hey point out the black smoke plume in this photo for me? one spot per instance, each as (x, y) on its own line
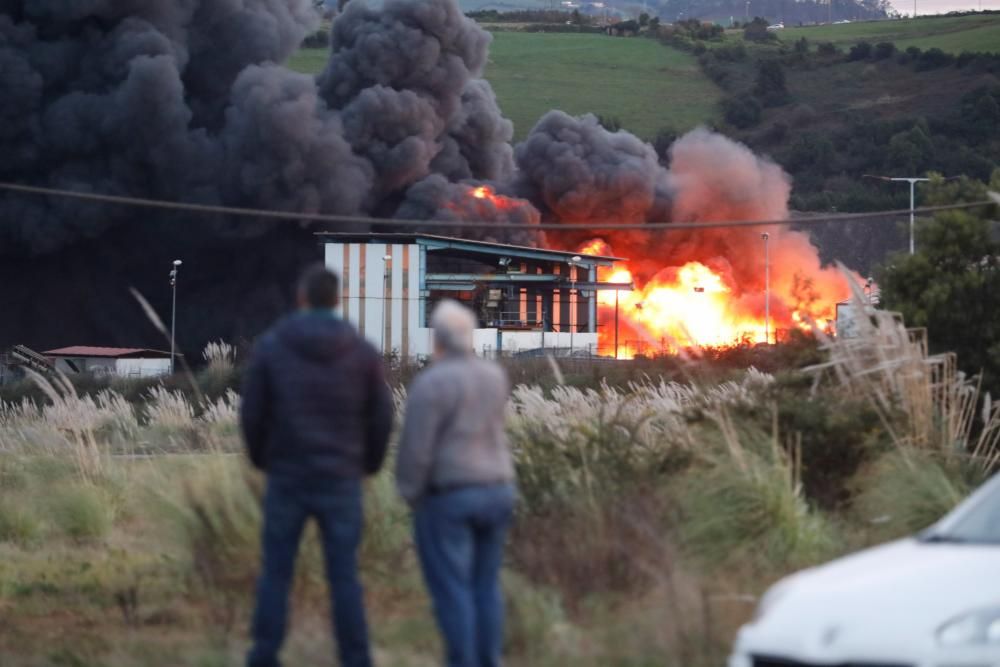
(182, 100)
(187, 100)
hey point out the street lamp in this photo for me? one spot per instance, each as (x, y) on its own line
(767, 289)
(173, 314)
(386, 315)
(912, 180)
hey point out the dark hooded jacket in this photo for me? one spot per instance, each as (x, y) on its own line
(315, 401)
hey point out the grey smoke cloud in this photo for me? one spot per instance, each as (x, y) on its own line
(187, 100)
(578, 171)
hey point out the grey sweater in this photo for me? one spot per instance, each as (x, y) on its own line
(453, 434)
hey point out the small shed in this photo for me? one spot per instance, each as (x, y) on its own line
(118, 361)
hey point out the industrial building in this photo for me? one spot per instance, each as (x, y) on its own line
(113, 361)
(525, 299)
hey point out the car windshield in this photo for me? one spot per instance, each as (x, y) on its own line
(975, 522)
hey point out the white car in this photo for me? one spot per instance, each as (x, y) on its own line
(928, 601)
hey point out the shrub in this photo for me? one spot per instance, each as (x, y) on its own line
(769, 85)
(906, 491)
(81, 511)
(802, 45)
(318, 40)
(827, 49)
(534, 614)
(933, 59)
(18, 522)
(664, 139)
(735, 52)
(755, 515)
(742, 112)
(776, 133)
(610, 123)
(756, 31)
(803, 114)
(884, 50)
(860, 51)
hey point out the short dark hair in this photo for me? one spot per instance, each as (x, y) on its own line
(320, 287)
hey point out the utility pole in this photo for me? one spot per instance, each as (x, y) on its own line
(767, 289)
(173, 315)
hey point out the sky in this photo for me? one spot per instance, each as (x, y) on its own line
(942, 6)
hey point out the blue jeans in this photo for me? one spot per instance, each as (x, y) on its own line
(460, 538)
(336, 506)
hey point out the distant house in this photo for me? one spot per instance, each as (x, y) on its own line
(117, 361)
(623, 29)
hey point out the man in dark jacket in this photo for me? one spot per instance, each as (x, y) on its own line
(316, 415)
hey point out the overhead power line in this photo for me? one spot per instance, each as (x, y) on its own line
(292, 216)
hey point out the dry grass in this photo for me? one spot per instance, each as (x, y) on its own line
(923, 400)
(652, 514)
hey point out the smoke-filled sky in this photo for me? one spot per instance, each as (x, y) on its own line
(182, 100)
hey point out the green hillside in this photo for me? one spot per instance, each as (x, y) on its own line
(949, 33)
(645, 85)
(642, 83)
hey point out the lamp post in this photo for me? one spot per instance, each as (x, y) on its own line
(173, 314)
(767, 289)
(912, 180)
(386, 313)
(572, 300)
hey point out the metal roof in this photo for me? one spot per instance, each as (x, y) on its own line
(484, 247)
(115, 352)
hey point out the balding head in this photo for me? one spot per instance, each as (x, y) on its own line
(453, 325)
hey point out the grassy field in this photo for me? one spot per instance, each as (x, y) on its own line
(643, 84)
(650, 514)
(948, 33)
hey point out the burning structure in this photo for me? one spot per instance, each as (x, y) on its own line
(184, 102)
(524, 298)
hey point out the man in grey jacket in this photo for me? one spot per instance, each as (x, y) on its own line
(456, 472)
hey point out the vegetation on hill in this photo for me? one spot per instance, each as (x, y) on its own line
(638, 82)
(979, 32)
(791, 13)
(830, 116)
(643, 85)
(951, 285)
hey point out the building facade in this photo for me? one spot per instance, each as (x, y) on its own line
(525, 299)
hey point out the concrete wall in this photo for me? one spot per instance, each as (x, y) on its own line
(381, 297)
(112, 366)
(142, 367)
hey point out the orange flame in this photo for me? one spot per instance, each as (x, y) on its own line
(489, 196)
(693, 305)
